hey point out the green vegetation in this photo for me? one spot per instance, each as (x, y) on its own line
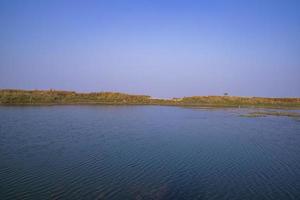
(43, 97)
(68, 97)
(232, 101)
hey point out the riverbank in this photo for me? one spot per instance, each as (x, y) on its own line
(56, 97)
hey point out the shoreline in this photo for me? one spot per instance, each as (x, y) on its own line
(146, 104)
(15, 97)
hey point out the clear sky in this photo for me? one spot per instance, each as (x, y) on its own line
(157, 47)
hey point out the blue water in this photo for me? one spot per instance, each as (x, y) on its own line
(146, 152)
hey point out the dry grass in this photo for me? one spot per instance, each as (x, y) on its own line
(37, 97)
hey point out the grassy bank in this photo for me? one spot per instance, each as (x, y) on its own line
(55, 97)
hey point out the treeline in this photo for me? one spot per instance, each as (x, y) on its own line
(35, 97)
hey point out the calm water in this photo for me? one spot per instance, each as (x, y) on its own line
(146, 152)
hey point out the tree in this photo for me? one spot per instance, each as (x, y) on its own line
(225, 94)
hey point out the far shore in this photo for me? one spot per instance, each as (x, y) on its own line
(12, 97)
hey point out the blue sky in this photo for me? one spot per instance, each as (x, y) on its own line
(155, 47)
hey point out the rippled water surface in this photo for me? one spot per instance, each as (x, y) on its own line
(146, 152)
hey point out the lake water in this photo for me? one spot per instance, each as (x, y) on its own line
(146, 152)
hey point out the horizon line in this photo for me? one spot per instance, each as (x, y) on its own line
(151, 97)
